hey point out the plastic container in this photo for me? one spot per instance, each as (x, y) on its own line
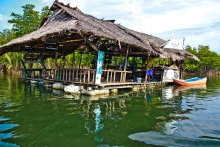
(138, 79)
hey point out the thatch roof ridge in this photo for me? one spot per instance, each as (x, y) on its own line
(107, 29)
(178, 54)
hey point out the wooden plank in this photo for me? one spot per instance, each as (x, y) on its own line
(111, 76)
(63, 74)
(117, 71)
(77, 73)
(84, 79)
(125, 65)
(54, 73)
(93, 77)
(107, 76)
(89, 76)
(70, 74)
(114, 76)
(66, 72)
(91, 44)
(80, 79)
(69, 41)
(121, 77)
(73, 78)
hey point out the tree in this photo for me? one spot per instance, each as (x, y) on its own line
(6, 36)
(208, 59)
(29, 21)
(191, 64)
(22, 24)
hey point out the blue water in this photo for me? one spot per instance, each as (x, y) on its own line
(164, 116)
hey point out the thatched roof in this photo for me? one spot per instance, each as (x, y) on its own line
(73, 30)
(176, 54)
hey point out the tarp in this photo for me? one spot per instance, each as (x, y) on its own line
(174, 43)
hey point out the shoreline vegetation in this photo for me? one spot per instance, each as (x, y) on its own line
(10, 62)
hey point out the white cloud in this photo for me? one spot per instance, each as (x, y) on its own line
(4, 22)
(203, 35)
(152, 16)
(73, 3)
(1, 17)
(175, 19)
(47, 1)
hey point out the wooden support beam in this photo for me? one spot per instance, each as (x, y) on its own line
(126, 60)
(69, 41)
(91, 44)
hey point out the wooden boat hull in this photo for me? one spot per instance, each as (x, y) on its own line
(189, 83)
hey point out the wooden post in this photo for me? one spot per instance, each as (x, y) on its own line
(114, 76)
(107, 76)
(66, 72)
(25, 69)
(44, 67)
(126, 60)
(80, 76)
(89, 76)
(146, 76)
(70, 74)
(73, 78)
(110, 76)
(84, 74)
(63, 73)
(55, 73)
(162, 72)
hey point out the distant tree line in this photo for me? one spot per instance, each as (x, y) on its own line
(209, 60)
(30, 21)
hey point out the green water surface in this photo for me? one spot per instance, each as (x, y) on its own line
(36, 116)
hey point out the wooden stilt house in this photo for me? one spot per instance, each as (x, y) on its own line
(68, 30)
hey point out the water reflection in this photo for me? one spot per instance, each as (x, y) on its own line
(45, 117)
(183, 126)
(178, 88)
(160, 139)
(5, 133)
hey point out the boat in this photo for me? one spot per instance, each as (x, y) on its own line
(191, 81)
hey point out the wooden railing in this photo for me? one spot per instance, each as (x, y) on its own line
(115, 76)
(88, 75)
(75, 75)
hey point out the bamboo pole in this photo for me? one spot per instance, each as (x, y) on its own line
(126, 60)
(114, 76)
(70, 74)
(84, 74)
(111, 76)
(89, 76)
(107, 76)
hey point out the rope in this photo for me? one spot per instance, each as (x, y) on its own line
(45, 132)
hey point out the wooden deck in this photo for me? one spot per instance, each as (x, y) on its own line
(86, 77)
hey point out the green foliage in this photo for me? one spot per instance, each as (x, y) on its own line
(191, 64)
(29, 21)
(117, 60)
(22, 24)
(208, 59)
(6, 36)
(12, 60)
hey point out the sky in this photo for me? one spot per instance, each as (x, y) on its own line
(198, 21)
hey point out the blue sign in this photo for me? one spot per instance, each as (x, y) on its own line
(99, 67)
